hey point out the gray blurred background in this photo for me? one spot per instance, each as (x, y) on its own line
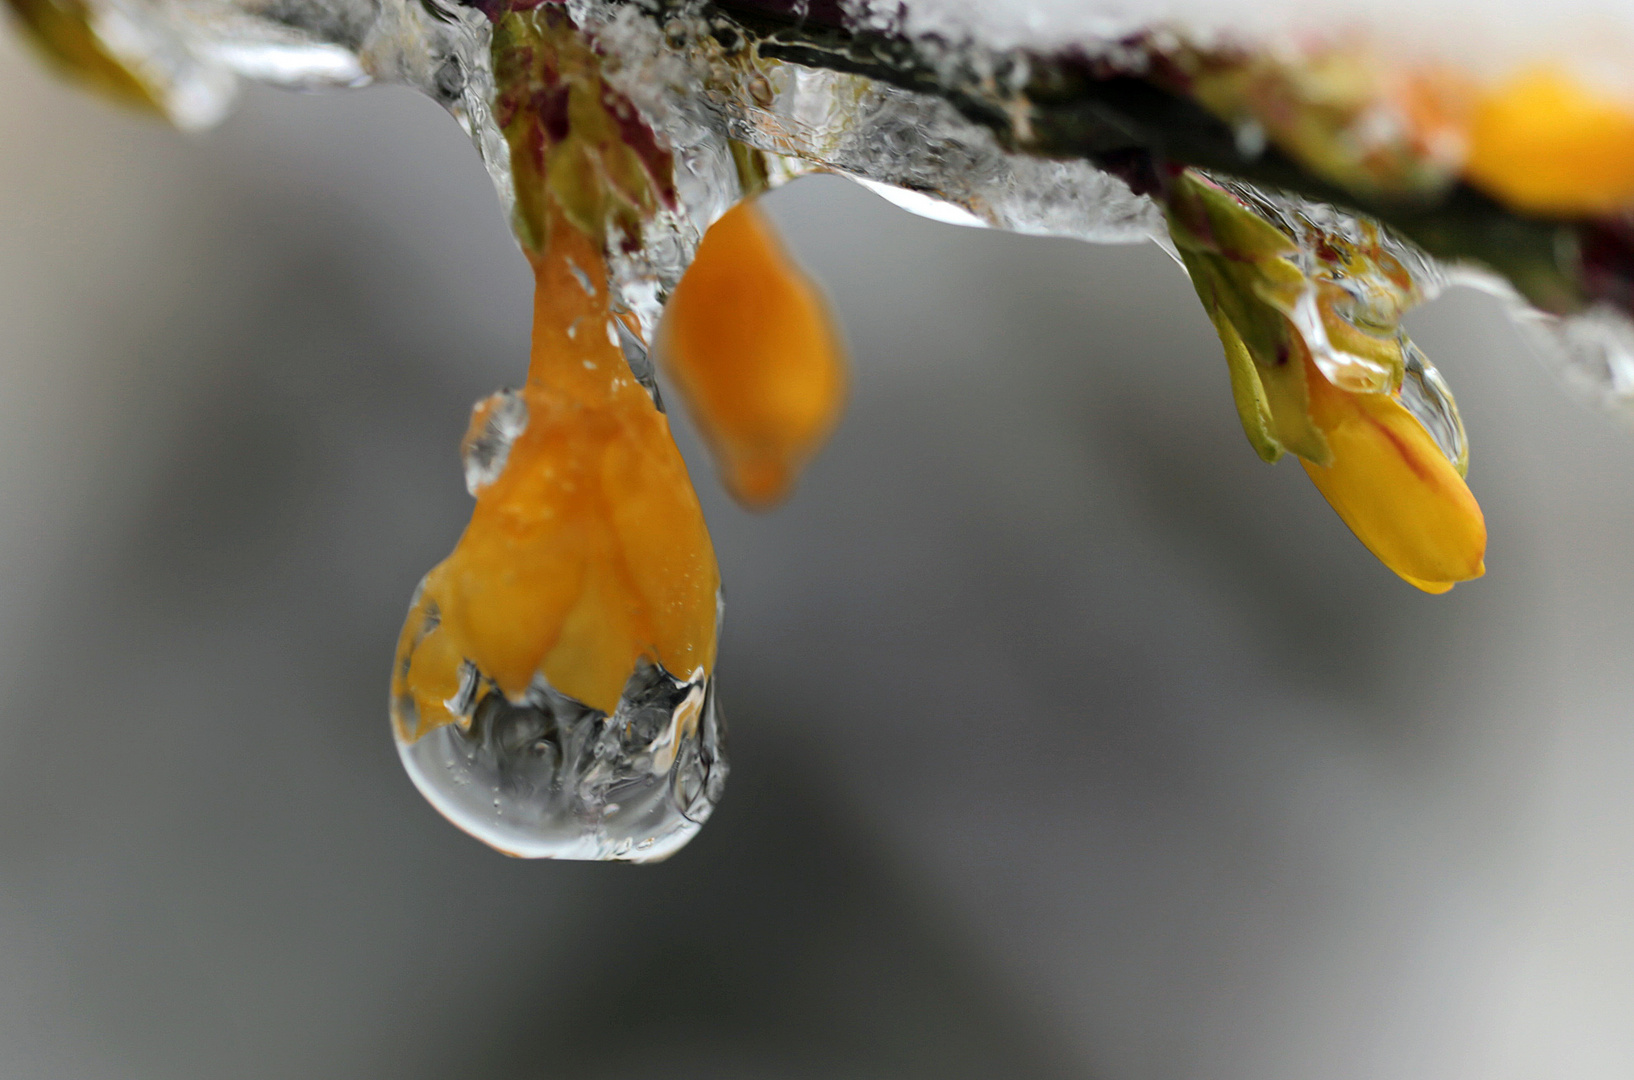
(1068, 739)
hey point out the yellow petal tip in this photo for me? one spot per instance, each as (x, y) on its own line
(1434, 587)
(1439, 587)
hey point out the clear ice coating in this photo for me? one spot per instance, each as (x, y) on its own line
(1591, 351)
(707, 101)
(1356, 273)
(1426, 395)
(1364, 279)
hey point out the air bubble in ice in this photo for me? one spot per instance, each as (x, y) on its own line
(496, 422)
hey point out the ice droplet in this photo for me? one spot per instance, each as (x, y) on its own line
(1425, 394)
(552, 692)
(549, 777)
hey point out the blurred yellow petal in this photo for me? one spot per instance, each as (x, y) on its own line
(1544, 142)
(62, 30)
(748, 340)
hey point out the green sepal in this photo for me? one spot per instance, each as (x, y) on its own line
(1253, 408)
(1239, 266)
(1289, 399)
(1212, 219)
(1268, 386)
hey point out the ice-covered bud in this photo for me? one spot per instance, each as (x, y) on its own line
(1320, 367)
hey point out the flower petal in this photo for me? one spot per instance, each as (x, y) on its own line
(1395, 489)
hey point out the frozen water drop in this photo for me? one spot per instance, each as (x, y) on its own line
(1342, 368)
(1425, 394)
(621, 329)
(496, 422)
(550, 777)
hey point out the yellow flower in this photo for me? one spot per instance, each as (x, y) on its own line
(1392, 484)
(1545, 142)
(748, 339)
(587, 553)
(1383, 472)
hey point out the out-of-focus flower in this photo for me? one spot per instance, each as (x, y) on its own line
(62, 30)
(749, 341)
(1545, 142)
